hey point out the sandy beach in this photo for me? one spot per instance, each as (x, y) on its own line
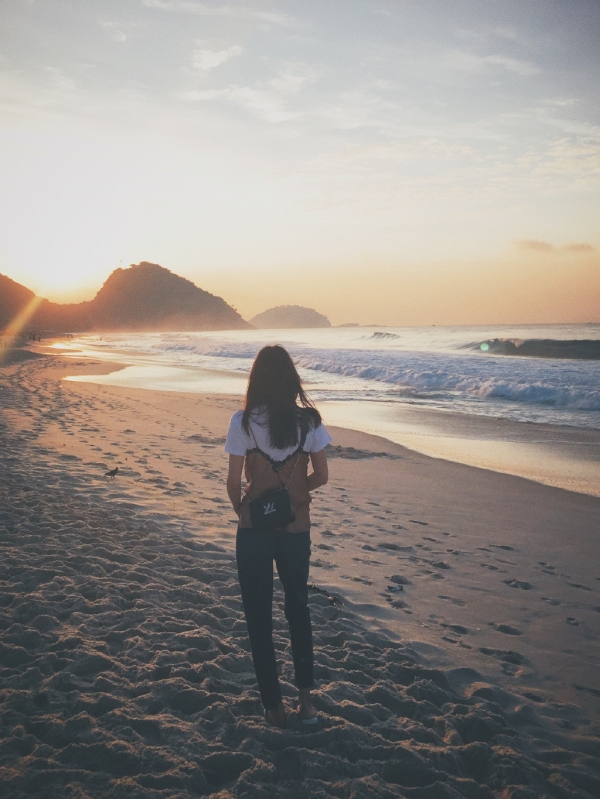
(459, 658)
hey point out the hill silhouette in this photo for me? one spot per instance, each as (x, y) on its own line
(48, 315)
(289, 316)
(143, 297)
(13, 297)
(149, 297)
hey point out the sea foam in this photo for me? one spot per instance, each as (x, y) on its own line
(444, 368)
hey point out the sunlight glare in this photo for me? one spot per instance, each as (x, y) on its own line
(12, 331)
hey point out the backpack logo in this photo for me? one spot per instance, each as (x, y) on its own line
(269, 508)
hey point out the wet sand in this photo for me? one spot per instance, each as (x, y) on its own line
(463, 660)
(557, 455)
(554, 455)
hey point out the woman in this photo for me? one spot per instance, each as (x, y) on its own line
(275, 435)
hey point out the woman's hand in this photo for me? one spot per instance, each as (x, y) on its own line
(320, 473)
(234, 481)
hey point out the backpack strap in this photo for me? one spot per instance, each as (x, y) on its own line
(303, 434)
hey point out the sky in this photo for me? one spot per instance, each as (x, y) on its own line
(387, 161)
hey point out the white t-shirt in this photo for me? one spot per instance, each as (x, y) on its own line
(239, 442)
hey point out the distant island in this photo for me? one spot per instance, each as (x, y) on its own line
(289, 316)
(143, 297)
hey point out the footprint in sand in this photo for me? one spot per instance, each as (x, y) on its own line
(398, 579)
(550, 601)
(505, 628)
(525, 586)
(572, 621)
(323, 564)
(506, 655)
(399, 604)
(460, 602)
(363, 580)
(592, 691)
(459, 629)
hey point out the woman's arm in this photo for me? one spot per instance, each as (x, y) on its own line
(234, 481)
(320, 473)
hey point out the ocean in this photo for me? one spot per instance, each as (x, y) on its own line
(523, 400)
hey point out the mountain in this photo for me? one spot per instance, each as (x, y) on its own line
(289, 316)
(148, 297)
(13, 297)
(143, 297)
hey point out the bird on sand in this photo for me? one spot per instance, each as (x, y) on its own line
(112, 473)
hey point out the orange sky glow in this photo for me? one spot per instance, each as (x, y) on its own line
(396, 163)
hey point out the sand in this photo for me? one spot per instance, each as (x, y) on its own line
(556, 455)
(462, 661)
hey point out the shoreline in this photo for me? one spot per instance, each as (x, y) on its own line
(498, 607)
(553, 455)
(559, 456)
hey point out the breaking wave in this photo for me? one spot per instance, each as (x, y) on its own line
(558, 380)
(586, 349)
(380, 335)
(462, 375)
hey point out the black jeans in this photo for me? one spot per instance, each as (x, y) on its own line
(255, 553)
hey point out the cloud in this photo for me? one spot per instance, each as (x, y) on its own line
(533, 244)
(546, 247)
(582, 248)
(580, 157)
(59, 81)
(506, 33)
(463, 61)
(267, 99)
(262, 102)
(209, 59)
(114, 28)
(384, 13)
(488, 34)
(218, 10)
(513, 64)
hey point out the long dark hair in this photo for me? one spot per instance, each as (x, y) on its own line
(275, 385)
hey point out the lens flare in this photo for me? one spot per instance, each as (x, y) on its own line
(10, 334)
(484, 346)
